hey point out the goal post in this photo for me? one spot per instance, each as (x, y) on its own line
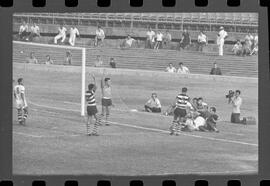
(83, 82)
(22, 51)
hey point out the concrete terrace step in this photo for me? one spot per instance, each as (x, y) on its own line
(147, 59)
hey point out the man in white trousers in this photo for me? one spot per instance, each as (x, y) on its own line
(61, 34)
(222, 35)
(73, 33)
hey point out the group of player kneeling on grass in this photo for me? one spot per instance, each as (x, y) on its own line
(187, 115)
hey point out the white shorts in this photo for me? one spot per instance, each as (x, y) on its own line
(19, 104)
(199, 121)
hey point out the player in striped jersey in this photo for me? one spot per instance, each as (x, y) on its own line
(106, 90)
(181, 105)
(91, 108)
(21, 104)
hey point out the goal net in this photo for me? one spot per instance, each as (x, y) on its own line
(80, 57)
(22, 52)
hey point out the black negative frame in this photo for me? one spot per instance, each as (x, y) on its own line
(123, 6)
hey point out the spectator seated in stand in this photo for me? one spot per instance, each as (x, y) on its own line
(48, 61)
(167, 39)
(170, 68)
(215, 70)
(202, 41)
(246, 48)
(255, 48)
(98, 62)
(185, 40)
(237, 48)
(159, 39)
(100, 36)
(182, 69)
(127, 43)
(35, 32)
(24, 32)
(112, 63)
(153, 104)
(32, 58)
(68, 60)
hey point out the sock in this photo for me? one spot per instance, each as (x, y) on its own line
(20, 117)
(107, 118)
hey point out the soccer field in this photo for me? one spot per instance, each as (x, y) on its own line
(136, 143)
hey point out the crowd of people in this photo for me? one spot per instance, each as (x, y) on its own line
(247, 48)
(189, 114)
(154, 40)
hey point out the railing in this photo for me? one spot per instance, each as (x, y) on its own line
(250, 19)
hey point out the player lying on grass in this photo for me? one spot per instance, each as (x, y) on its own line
(153, 104)
(106, 100)
(91, 108)
(180, 112)
(21, 104)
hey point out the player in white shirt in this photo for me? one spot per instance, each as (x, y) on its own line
(202, 41)
(182, 69)
(159, 37)
(61, 34)
(100, 36)
(20, 100)
(72, 37)
(23, 31)
(150, 38)
(222, 35)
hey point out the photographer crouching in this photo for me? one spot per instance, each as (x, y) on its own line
(236, 101)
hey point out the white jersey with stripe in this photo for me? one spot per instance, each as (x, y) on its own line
(182, 101)
(90, 98)
(19, 93)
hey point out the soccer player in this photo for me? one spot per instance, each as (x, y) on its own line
(61, 34)
(73, 33)
(21, 104)
(106, 101)
(180, 111)
(91, 108)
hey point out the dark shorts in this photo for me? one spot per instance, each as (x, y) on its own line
(178, 112)
(91, 110)
(106, 102)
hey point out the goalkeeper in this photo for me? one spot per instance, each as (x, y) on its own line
(106, 101)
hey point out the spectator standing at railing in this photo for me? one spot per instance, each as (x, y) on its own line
(159, 39)
(185, 40)
(35, 32)
(222, 35)
(74, 32)
(183, 69)
(61, 34)
(215, 70)
(249, 38)
(167, 38)
(150, 38)
(23, 31)
(100, 36)
(202, 41)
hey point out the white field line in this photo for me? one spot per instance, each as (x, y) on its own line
(45, 136)
(28, 135)
(159, 115)
(159, 130)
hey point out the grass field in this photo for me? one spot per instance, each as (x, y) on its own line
(136, 143)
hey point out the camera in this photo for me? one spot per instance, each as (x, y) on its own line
(230, 94)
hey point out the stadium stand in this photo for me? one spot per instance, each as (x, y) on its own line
(146, 59)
